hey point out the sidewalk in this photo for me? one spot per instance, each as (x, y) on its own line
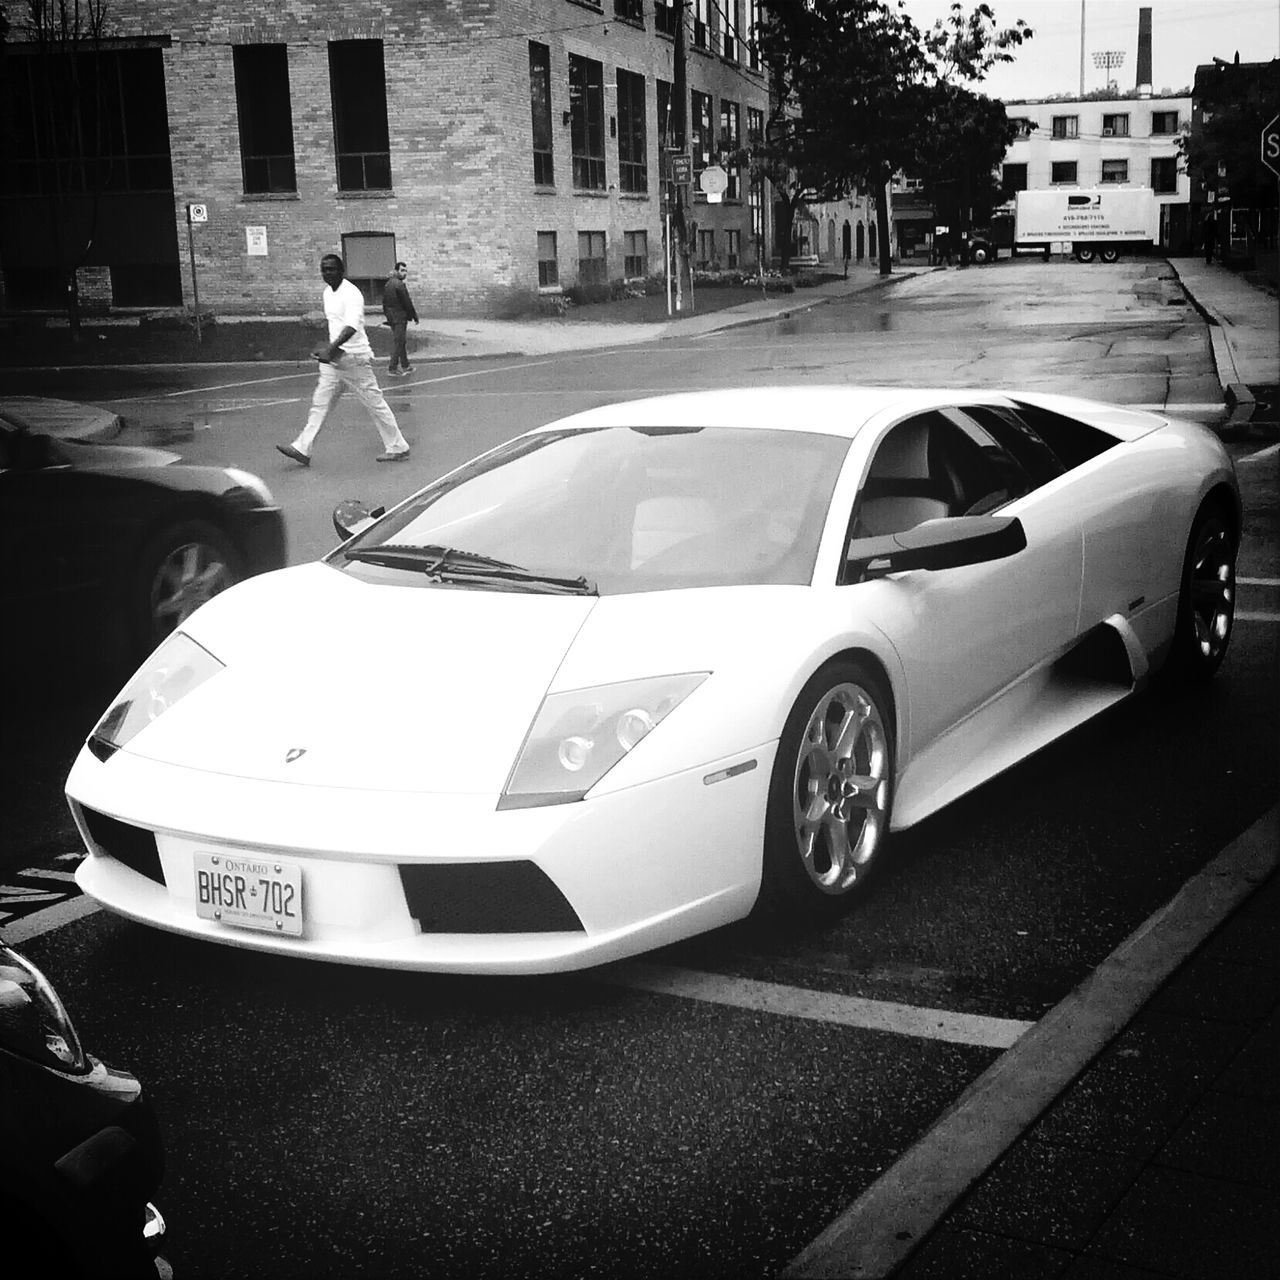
(450, 337)
(1244, 328)
(1158, 1156)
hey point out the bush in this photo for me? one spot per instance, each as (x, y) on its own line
(175, 321)
(582, 295)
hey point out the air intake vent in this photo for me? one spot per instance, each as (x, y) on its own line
(134, 846)
(486, 897)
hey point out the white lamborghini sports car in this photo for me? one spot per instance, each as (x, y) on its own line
(620, 679)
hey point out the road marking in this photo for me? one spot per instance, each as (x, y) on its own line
(1269, 452)
(872, 1237)
(819, 1006)
(1258, 582)
(1255, 615)
(15, 932)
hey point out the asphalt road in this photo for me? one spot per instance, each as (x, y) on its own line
(331, 1121)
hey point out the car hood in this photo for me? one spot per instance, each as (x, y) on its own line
(117, 457)
(331, 681)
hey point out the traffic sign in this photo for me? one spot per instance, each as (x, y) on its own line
(714, 180)
(197, 213)
(682, 168)
(1271, 145)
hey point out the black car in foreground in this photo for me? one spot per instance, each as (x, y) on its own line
(106, 547)
(80, 1148)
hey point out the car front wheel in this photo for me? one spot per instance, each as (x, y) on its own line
(178, 570)
(830, 794)
(1206, 602)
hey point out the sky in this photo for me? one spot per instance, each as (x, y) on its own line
(1184, 34)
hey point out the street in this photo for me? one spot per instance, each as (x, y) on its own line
(323, 1120)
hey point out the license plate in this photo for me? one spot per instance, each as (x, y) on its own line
(249, 892)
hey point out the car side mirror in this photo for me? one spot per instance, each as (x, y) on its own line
(935, 544)
(352, 516)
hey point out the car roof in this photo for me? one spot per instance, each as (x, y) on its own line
(834, 410)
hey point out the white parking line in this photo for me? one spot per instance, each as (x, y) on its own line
(1269, 452)
(1256, 615)
(820, 1006)
(1258, 582)
(873, 1236)
(25, 928)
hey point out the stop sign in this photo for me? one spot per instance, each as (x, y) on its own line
(1271, 145)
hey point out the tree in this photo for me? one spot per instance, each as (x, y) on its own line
(57, 132)
(1236, 101)
(857, 88)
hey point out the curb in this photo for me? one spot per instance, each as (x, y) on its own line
(875, 1235)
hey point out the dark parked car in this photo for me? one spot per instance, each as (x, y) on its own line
(116, 542)
(80, 1149)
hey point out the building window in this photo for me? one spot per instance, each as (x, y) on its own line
(1163, 123)
(46, 145)
(266, 118)
(544, 172)
(706, 247)
(592, 266)
(1060, 171)
(753, 34)
(729, 14)
(635, 265)
(733, 249)
(664, 17)
(730, 141)
(632, 10)
(666, 125)
(700, 132)
(1115, 171)
(358, 83)
(1164, 174)
(633, 168)
(1025, 128)
(1066, 126)
(145, 284)
(1115, 126)
(702, 24)
(755, 127)
(586, 111)
(370, 257)
(1013, 177)
(548, 264)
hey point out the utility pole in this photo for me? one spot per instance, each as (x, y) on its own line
(680, 138)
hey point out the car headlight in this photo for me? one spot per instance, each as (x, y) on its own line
(33, 1022)
(577, 737)
(177, 666)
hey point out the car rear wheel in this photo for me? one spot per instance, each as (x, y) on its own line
(1206, 602)
(831, 793)
(179, 569)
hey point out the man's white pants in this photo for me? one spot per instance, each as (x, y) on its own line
(356, 373)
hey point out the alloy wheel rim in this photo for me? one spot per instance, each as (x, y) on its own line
(1213, 581)
(189, 576)
(840, 793)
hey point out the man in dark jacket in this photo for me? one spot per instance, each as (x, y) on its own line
(397, 306)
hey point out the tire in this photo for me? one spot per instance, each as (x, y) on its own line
(180, 568)
(1206, 601)
(1109, 255)
(1084, 254)
(981, 254)
(823, 832)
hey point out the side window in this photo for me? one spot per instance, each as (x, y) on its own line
(1008, 430)
(903, 486)
(985, 474)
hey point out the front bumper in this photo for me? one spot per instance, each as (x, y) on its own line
(433, 882)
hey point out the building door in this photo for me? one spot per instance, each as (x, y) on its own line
(862, 242)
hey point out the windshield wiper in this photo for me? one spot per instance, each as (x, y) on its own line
(452, 565)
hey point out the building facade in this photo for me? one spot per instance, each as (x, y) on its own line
(1128, 141)
(500, 147)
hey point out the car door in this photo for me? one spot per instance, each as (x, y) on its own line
(967, 634)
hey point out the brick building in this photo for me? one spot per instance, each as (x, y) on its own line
(499, 146)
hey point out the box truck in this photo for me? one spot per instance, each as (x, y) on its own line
(1101, 222)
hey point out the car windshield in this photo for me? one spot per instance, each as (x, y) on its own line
(623, 509)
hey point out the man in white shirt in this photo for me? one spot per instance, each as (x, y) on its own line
(347, 361)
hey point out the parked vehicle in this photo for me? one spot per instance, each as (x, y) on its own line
(107, 547)
(1094, 222)
(80, 1149)
(666, 659)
